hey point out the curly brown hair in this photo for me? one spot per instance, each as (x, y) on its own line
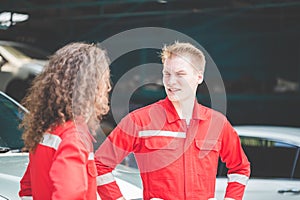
(74, 83)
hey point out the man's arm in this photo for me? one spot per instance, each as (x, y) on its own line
(112, 152)
(105, 163)
(236, 162)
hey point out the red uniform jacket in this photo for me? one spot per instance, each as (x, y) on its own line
(176, 160)
(62, 166)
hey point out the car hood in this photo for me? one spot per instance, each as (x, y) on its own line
(13, 164)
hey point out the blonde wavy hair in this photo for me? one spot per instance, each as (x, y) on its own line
(74, 83)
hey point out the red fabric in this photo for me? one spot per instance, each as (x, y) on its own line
(62, 173)
(176, 161)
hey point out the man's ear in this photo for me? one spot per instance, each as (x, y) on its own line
(200, 78)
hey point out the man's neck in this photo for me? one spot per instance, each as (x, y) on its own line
(185, 109)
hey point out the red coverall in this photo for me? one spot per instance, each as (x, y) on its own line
(176, 160)
(62, 166)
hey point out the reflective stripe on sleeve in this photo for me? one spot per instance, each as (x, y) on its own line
(51, 141)
(242, 179)
(27, 198)
(148, 133)
(105, 179)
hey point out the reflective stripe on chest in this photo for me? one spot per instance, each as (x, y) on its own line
(150, 133)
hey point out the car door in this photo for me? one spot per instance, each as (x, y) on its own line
(275, 170)
(12, 162)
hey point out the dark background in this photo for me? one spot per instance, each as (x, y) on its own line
(254, 43)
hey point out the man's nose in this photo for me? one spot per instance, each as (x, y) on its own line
(171, 80)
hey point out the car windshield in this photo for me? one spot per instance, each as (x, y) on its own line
(10, 117)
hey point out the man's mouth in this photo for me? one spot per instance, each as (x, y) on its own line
(173, 90)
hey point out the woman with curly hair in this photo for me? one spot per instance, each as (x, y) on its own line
(65, 103)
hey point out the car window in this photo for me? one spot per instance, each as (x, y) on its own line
(10, 117)
(269, 158)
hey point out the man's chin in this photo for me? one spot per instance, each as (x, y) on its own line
(173, 98)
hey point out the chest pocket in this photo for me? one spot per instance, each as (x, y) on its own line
(208, 147)
(160, 156)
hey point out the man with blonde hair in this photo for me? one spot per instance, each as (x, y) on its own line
(176, 141)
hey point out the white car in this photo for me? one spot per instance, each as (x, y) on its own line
(19, 64)
(274, 154)
(14, 162)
